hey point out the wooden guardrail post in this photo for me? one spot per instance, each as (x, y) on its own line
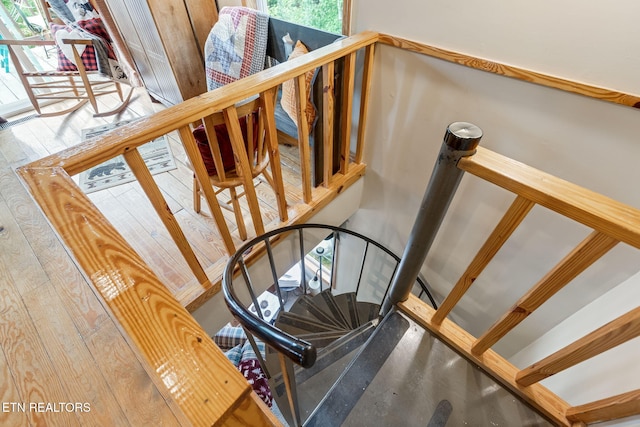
(460, 140)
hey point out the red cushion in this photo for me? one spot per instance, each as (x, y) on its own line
(88, 57)
(226, 150)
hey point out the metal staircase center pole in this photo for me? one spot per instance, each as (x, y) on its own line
(460, 140)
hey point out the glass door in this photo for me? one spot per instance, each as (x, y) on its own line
(21, 19)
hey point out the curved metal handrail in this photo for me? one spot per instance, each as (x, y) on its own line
(299, 351)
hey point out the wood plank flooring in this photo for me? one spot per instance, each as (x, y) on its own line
(57, 342)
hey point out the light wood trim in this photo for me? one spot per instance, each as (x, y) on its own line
(11, 42)
(365, 93)
(149, 186)
(507, 225)
(328, 95)
(347, 6)
(245, 171)
(611, 408)
(582, 256)
(252, 412)
(614, 333)
(189, 74)
(604, 94)
(175, 350)
(594, 210)
(271, 135)
(460, 340)
(82, 72)
(303, 137)
(346, 111)
(202, 176)
(74, 160)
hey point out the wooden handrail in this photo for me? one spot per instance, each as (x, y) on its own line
(76, 159)
(177, 352)
(601, 213)
(566, 85)
(611, 221)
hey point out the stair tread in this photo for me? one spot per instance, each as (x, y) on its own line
(367, 311)
(306, 306)
(323, 306)
(349, 306)
(297, 324)
(334, 351)
(326, 302)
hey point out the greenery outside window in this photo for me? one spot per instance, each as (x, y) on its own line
(327, 15)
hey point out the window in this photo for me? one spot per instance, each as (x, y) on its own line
(326, 15)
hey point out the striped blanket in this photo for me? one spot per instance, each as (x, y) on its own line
(236, 46)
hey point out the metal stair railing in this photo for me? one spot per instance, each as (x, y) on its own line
(294, 243)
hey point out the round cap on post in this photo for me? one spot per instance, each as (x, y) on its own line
(462, 136)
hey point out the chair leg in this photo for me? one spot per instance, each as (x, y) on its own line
(196, 194)
(119, 90)
(123, 104)
(242, 229)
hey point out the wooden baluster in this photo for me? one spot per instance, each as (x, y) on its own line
(268, 105)
(507, 225)
(347, 110)
(214, 147)
(614, 333)
(200, 171)
(144, 177)
(328, 95)
(303, 138)
(364, 100)
(242, 162)
(586, 253)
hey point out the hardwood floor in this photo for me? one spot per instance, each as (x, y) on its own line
(58, 342)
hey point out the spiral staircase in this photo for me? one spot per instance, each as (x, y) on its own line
(333, 359)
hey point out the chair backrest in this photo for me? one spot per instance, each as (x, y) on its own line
(215, 139)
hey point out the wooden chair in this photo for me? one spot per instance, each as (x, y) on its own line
(81, 85)
(221, 153)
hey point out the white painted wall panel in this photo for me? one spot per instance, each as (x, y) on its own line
(592, 143)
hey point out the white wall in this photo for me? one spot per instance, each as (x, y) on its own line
(592, 143)
(585, 40)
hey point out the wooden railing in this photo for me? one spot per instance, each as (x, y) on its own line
(177, 352)
(612, 222)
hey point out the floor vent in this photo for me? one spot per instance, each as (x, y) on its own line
(7, 125)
